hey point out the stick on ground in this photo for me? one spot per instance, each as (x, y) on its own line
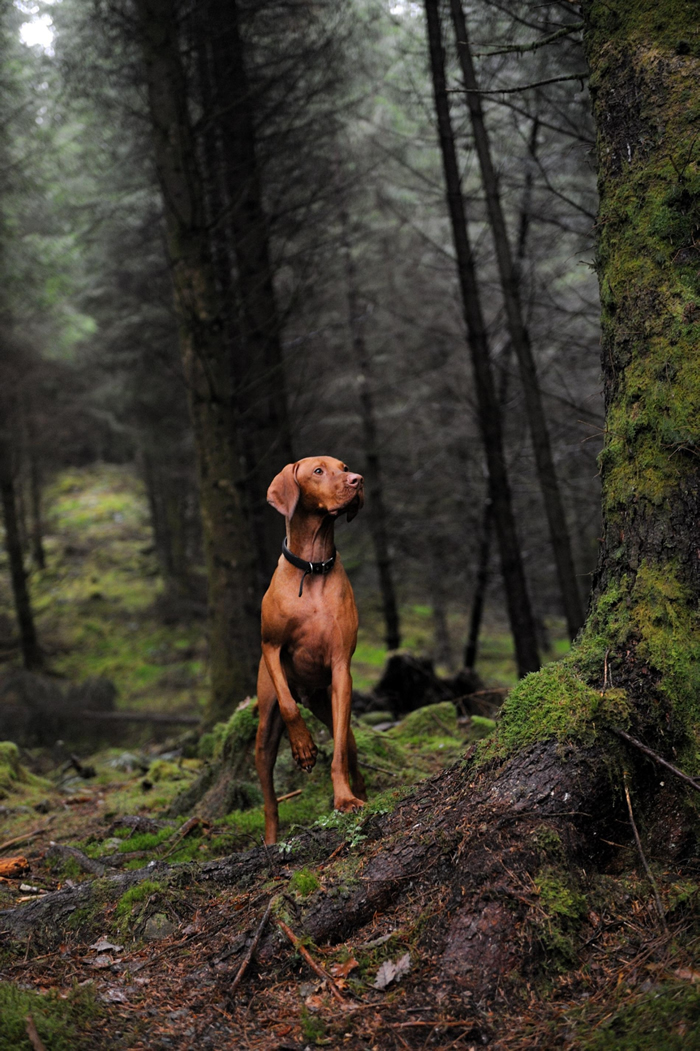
(253, 946)
(34, 1038)
(645, 863)
(315, 967)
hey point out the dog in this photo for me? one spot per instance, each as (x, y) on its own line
(309, 631)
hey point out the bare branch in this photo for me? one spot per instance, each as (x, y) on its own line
(520, 49)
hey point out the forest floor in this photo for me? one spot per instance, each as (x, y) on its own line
(138, 922)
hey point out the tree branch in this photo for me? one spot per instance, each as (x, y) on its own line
(525, 87)
(520, 49)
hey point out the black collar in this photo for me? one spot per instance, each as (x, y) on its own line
(308, 567)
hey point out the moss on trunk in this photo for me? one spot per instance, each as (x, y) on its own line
(637, 660)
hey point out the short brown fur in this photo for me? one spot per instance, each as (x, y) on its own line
(308, 640)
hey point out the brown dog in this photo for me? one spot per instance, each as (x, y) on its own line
(309, 631)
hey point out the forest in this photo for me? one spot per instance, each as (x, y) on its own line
(453, 249)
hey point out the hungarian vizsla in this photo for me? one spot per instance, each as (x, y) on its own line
(309, 631)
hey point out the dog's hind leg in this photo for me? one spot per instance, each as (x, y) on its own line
(270, 727)
(356, 778)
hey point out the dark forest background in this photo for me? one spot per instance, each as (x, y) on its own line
(279, 164)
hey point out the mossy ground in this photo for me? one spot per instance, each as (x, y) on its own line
(95, 601)
(63, 1021)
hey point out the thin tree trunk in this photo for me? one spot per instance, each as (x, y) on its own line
(442, 644)
(517, 598)
(520, 338)
(481, 584)
(37, 530)
(373, 469)
(31, 653)
(483, 573)
(229, 551)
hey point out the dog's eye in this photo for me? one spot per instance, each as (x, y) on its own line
(319, 470)
(345, 467)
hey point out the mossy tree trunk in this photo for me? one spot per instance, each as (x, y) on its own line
(645, 85)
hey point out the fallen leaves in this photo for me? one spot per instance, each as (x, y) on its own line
(392, 972)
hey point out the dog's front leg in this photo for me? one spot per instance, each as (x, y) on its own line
(341, 701)
(301, 742)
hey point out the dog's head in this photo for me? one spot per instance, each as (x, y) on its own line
(318, 484)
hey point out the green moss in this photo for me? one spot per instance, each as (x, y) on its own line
(231, 737)
(15, 779)
(557, 703)
(61, 1020)
(431, 721)
(565, 909)
(136, 896)
(667, 1019)
(305, 882)
(162, 770)
(572, 699)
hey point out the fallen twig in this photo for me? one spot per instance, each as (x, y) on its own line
(657, 758)
(379, 769)
(315, 967)
(438, 720)
(253, 946)
(34, 1038)
(436, 1025)
(645, 863)
(290, 795)
(25, 837)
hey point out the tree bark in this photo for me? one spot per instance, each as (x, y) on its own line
(258, 364)
(645, 91)
(229, 552)
(520, 338)
(517, 598)
(373, 470)
(483, 573)
(31, 654)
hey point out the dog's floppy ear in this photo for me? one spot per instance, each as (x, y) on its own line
(284, 491)
(356, 505)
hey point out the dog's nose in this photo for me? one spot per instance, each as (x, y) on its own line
(355, 480)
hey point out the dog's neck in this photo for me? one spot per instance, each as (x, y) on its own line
(311, 537)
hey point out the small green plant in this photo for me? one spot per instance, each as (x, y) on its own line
(313, 1028)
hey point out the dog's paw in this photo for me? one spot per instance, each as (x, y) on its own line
(348, 804)
(304, 753)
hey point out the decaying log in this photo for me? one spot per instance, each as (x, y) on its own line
(50, 913)
(13, 868)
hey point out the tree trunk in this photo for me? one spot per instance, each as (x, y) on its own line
(31, 653)
(520, 338)
(517, 598)
(373, 469)
(645, 90)
(481, 584)
(483, 573)
(229, 552)
(258, 365)
(167, 504)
